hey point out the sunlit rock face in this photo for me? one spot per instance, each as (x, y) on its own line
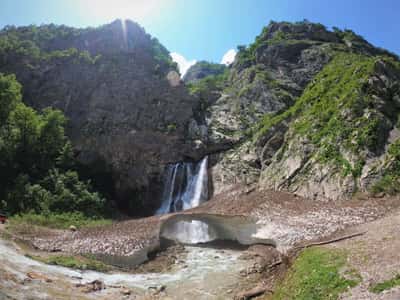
(128, 112)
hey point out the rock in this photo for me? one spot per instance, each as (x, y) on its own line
(93, 286)
(157, 289)
(127, 111)
(126, 292)
(38, 276)
(130, 115)
(201, 70)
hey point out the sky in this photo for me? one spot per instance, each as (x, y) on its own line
(212, 29)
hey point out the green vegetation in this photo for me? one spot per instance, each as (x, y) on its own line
(246, 56)
(209, 83)
(385, 285)
(37, 166)
(203, 69)
(29, 42)
(209, 67)
(390, 181)
(331, 111)
(161, 55)
(171, 128)
(359, 44)
(57, 220)
(316, 275)
(73, 262)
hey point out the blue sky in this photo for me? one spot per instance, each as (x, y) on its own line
(207, 29)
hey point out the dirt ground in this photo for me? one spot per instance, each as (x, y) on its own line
(282, 217)
(375, 255)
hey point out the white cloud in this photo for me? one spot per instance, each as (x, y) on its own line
(183, 63)
(228, 57)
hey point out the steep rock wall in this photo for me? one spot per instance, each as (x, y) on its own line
(128, 111)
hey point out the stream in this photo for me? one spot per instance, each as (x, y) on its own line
(203, 273)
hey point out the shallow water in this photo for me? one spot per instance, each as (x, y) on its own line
(204, 273)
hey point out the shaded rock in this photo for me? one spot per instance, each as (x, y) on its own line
(128, 113)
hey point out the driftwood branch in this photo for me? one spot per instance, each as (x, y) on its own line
(273, 264)
(341, 238)
(257, 291)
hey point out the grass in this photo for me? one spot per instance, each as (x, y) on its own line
(315, 275)
(385, 285)
(57, 221)
(331, 112)
(73, 262)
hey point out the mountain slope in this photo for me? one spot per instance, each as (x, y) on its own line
(302, 109)
(310, 111)
(128, 112)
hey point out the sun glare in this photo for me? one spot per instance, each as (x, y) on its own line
(137, 10)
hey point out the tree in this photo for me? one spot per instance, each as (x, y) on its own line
(52, 137)
(10, 96)
(36, 160)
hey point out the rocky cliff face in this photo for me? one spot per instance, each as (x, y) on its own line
(307, 110)
(302, 109)
(203, 69)
(128, 111)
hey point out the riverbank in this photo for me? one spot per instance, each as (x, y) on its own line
(198, 273)
(283, 220)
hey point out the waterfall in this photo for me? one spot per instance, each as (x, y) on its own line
(185, 186)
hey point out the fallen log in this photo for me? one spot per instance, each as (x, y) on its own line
(345, 237)
(254, 292)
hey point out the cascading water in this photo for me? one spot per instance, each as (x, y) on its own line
(185, 187)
